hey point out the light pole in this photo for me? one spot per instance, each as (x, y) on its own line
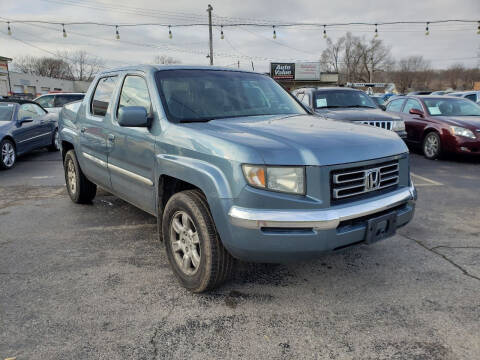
(209, 10)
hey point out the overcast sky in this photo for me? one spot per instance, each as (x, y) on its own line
(446, 44)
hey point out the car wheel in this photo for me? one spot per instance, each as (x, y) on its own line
(432, 146)
(193, 246)
(55, 145)
(80, 189)
(8, 154)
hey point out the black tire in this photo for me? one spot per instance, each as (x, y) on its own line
(215, 264)
(8, 154)
(54, 146)
(432, 146)
(80, 189)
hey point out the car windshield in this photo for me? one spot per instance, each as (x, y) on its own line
(452, 107)
(342, 98)
(6, 112)
(203, 95)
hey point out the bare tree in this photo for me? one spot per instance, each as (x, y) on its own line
(43, 66)
(454, 75)
(412, 71)
(83, 67)
(375, 56)
(330, 58)
(165, 60)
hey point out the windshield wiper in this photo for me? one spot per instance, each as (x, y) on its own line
(360, 106)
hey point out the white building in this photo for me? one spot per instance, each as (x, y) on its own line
(19, 83)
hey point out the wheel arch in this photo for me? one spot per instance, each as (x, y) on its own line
(9, 137)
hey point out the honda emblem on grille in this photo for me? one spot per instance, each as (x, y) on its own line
(372, 179)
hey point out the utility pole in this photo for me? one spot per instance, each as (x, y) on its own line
(209, 10)
(238, 64)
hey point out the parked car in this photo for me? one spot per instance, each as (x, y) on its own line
(232, 166)
(346, 104)
(55, 102)
(423, 92)
(441, 92)
(440, 123)
(25, 126)
(470, 95)
(377, 100)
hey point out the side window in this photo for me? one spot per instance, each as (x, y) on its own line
(135, 93)
(27, 110)
(38, 109)
(472, 97)
(61, 100)
(412, 104)
(103, 95)
(395, 105)
(46, 101)
(306, 100)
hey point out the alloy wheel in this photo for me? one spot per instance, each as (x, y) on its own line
(431, 146)
(185, 243)
(71, 177)
(8, 154)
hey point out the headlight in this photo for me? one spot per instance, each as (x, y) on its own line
(288, 179)
(460, 131)
(398, 125)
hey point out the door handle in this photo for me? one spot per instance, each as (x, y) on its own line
(111, 138)
(82, 130)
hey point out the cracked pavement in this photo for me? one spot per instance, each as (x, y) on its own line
(91, 282)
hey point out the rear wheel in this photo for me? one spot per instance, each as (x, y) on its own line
(80, 189)
(8, 155)
(193, 246)
(55, 145)
(432, 146)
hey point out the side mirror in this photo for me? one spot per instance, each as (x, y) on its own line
(133, 116)
(383, 107)
(416, 112)
(25, 119)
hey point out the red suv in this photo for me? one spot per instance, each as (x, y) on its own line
(439, 123)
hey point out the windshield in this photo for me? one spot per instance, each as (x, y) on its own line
(6, 112)
(452, 107)
(202, 95)
(342, 98)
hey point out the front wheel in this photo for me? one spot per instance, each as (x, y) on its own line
(193, 246)
(80, 189)
(8, 154)
(432, 146)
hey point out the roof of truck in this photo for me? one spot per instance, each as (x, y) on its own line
(147, 68)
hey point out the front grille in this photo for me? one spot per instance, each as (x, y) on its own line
(351, 182)
(381, 124)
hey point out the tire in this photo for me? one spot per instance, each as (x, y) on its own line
(80, 189)
(55, 145)
(189, 232)
(432, 146)
(8, 154)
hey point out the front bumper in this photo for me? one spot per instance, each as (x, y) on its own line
(289, 235)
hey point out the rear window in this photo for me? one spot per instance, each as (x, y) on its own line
(103, 95)
(395, 105)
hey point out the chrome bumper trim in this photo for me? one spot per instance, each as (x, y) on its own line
(318, 219)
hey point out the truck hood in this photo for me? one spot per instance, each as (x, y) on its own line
(304, 139)
(357, 114)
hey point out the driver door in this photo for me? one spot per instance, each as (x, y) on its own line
(27, 134)
(414, 124)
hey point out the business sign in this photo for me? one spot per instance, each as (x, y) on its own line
(3, 67)
(282, 71)
(307, 71)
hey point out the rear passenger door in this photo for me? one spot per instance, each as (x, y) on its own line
(131, 156)
(94, 131)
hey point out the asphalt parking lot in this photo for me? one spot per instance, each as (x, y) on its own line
(91, 282)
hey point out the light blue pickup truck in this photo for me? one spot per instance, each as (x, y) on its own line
(233, 167)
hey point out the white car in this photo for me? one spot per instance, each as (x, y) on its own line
(473, 95)
(53, 103)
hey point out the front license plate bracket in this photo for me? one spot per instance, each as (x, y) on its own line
(381, 227)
